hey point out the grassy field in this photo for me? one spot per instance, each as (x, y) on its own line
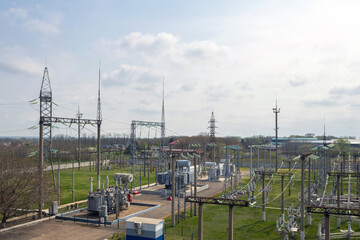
(82, 182)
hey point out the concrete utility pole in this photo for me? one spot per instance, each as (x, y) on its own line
(263, 198)
(309, 191)
(73, 182)
(41, 163)
(172, 188)
(276, 110)
(195, 183)
(251, 157)
(200, 223)
(302, 231)
(302, 201)
(231, 220)
(282, 197)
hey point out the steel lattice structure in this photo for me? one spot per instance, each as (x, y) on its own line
(333, 210)
(344, 174)
(49, 120)
(212, 128)
(134, 125)
(46, 112)
(217, 201)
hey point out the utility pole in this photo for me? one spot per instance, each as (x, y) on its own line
(41, 163)
(251, 158)
(309, 191)
(276, 110)
(172, 188)
(302, 230)
(302, 201)
(263, 198)
(195, 183)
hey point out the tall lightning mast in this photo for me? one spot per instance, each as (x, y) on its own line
(99, 120)
(163, 118)
(324, 141)
(99, 99)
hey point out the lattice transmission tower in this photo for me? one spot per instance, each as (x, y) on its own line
(212, 128)
(212, 139)
(46, 111)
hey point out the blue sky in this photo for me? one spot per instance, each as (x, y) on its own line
(233, 57)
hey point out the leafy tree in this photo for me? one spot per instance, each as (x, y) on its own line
(342, 145)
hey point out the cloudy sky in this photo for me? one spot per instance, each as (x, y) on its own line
(233, 57)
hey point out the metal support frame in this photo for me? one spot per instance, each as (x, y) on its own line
(134, 125)
(217, 201)
(263, 175)
(334, 210)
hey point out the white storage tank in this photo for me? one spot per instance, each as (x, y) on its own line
(140, 228)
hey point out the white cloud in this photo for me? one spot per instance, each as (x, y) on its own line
(13, 59)
(161, 49)
(128, 75)
(36, 25)
(17, 13)
(22, 17)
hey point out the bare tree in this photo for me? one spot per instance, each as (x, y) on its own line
(18, 185)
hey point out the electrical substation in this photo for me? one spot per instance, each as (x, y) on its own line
(179, 179)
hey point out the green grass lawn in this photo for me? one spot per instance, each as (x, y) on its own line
(82, 183)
